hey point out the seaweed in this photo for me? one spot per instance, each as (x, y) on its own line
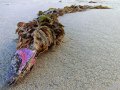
(92, 2)
(37, 36)
(46, 30)
(101, 7)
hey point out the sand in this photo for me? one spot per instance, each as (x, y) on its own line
(87, 59)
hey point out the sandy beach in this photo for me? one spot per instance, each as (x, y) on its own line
(87, 59)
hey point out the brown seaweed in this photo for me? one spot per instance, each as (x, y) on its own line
(92, 2)
(46, 30)
(37, 36)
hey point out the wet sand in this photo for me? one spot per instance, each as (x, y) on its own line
(87, 59)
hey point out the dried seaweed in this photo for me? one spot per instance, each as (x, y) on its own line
(92, 2)
(101, 7)
(46, 31)
(37, 36)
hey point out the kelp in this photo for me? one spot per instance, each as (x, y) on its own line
(46, 31)
(37, 36)
(101, 7)
(92, 2)
(40, 34)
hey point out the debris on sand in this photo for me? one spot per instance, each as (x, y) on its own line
(46, 31)
(101, 7)
(92, 2)
(37, 36)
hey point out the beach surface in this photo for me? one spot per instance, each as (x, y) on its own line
(87, 59)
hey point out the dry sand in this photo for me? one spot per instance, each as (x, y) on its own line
(87, 59)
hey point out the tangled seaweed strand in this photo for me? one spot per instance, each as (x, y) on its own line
(46, 31)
